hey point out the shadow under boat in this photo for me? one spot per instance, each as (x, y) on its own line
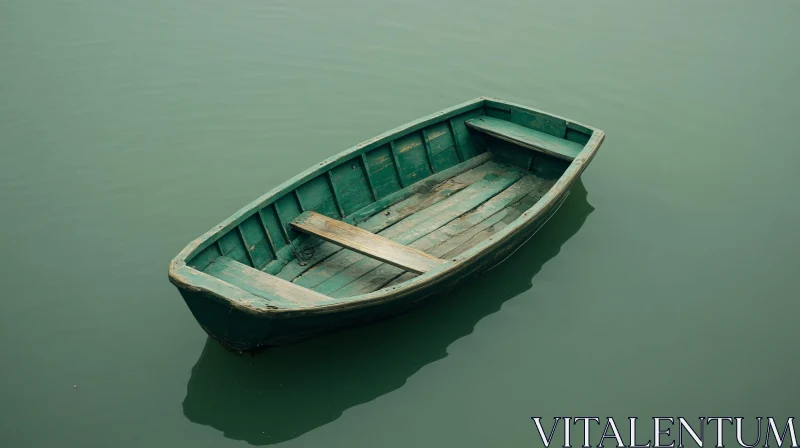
(286, 391)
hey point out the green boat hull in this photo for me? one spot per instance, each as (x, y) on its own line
(243, 317)
(242, 331)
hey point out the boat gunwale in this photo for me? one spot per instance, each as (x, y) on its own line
(184, 276)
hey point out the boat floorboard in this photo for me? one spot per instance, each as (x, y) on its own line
(443, 221)
(383, 218)
(468, 239)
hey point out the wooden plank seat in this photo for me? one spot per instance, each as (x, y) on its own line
(409, 222)
(526, 137)
(365, 243)
(274, 289)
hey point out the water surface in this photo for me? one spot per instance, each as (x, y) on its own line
(666, 285)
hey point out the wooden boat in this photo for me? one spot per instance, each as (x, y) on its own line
(383, 225)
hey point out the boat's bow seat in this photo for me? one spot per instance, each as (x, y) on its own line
(526, 137)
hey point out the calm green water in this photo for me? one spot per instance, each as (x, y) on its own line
(666, 285)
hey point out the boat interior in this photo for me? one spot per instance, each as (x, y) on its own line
(395, 209)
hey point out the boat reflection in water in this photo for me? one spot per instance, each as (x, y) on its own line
(286, 391)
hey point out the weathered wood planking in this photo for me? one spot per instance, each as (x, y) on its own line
(412, 158)
(346, 266)
(526, 137)
(381, 218)
(380, 274)
(287, 266)
(420, 187)
(460, 243)
(442, 146)
(275, 290)
(366, 243)
(424, 220)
